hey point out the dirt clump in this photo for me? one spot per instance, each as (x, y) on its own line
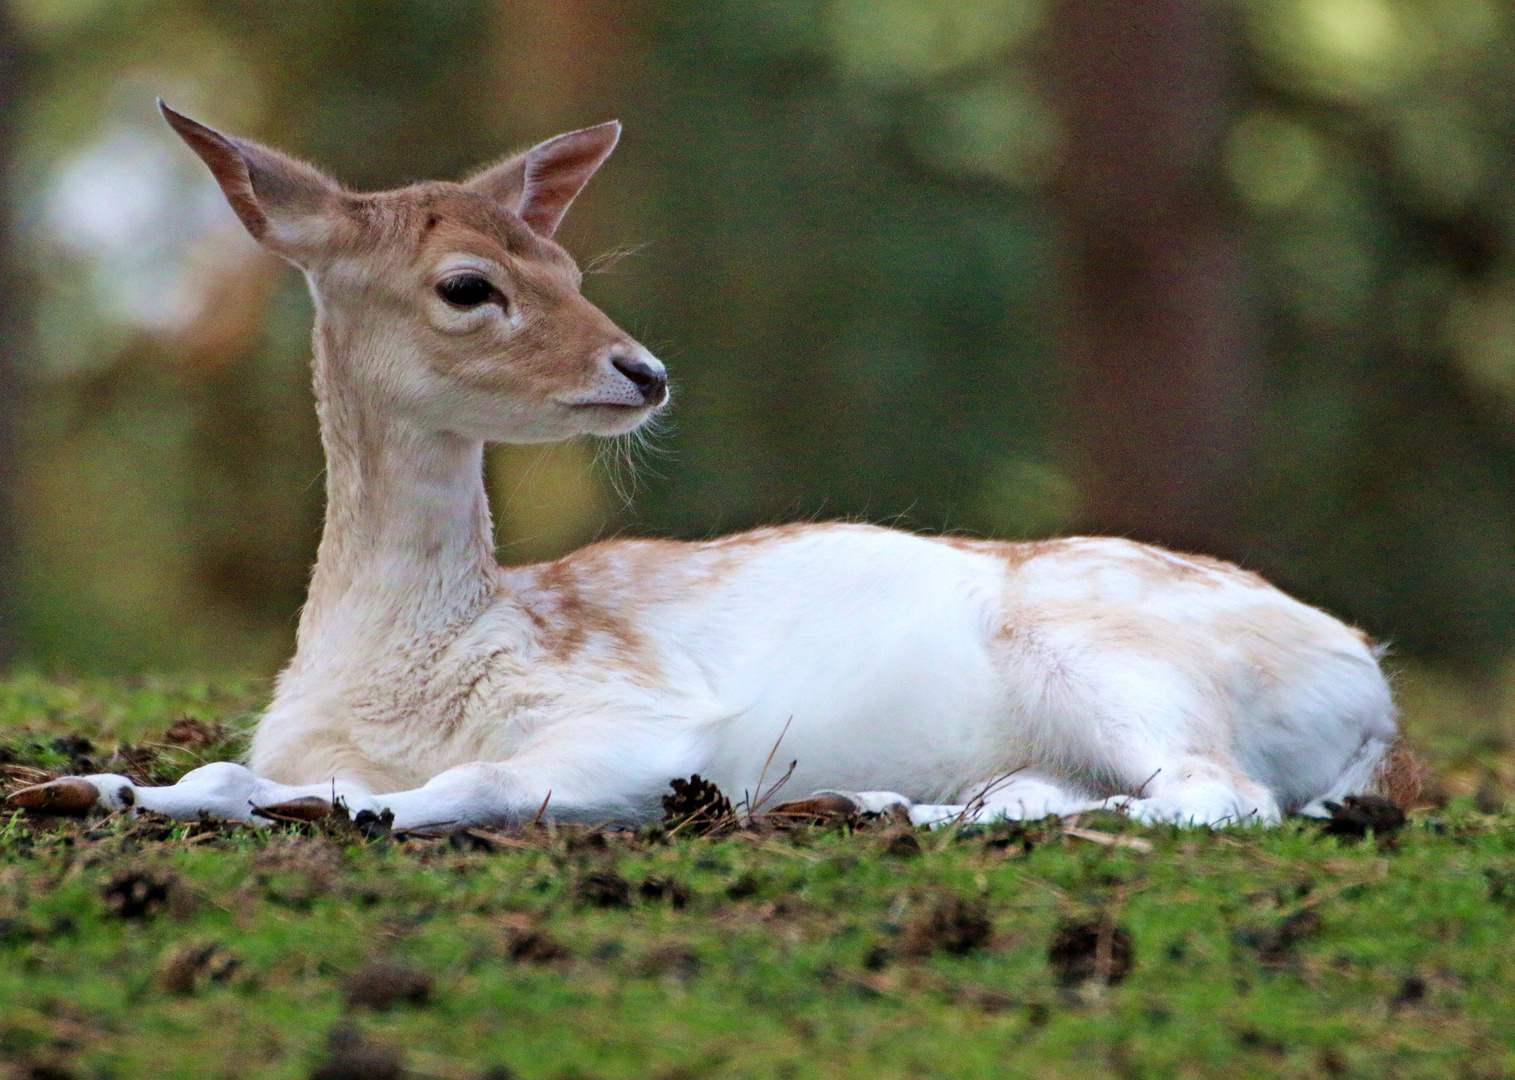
(1020, 837)
(351, 1055)
(372, 826)
(195, 734)
(307, 808)
(1501, 886)
(985, 1000)
(901, 844)
(744, 886)
(1278, 943)
(949, 924)
(676, 960)
(1091, 949)
(20, 931)
(297, 870)
(663, 887)
(1357, 815)
(1412, 991)
(527, 946)
(579, 841)
(136, 894)
(194, 965)
(1489, 798)
(79, 751)
(48, 1072)
(384, 984)
(606, 889)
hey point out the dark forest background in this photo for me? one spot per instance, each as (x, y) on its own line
(1238, 277)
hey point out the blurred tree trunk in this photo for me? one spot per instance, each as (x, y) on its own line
(1157, 333)
(557, 62)
(558, 66)
(12, 337)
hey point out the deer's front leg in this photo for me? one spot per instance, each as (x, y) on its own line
(594, 771)
(506, 793)
(220, 790)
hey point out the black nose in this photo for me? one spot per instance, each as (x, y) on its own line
(651, 381)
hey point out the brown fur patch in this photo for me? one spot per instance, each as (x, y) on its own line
(582, 599)
(1013, 553)
(1163, 565)
(1153, 563)
(471, 213)
(776, 534)
(1401, 776)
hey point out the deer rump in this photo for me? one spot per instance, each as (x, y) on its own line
(958, 677)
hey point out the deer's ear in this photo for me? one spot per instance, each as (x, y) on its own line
(540, 184)
(283, 202)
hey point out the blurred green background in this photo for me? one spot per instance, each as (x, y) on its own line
(1234, 276)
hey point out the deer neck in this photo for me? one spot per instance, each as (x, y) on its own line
(407, 553)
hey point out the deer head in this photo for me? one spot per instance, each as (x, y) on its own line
(450, 302)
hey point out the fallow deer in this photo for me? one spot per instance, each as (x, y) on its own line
(429, 681)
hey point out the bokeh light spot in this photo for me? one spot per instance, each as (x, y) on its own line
(1273, 161)
(1024, 500)
(999, 128)
(1350, 49)
(1358, 32)
(1481, 331)
(896, 42)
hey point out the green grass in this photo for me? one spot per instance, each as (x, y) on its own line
(803, 954)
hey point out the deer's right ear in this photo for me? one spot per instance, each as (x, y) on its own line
(284, 203)
(540, 184)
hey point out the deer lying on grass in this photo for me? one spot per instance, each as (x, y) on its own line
(1047, 678)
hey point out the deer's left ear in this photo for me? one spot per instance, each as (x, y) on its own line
(540, 184)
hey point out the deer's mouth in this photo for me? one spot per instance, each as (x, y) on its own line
(620, 402)
(609, 419)
(617, 408)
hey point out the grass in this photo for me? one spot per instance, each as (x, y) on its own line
(142, 948)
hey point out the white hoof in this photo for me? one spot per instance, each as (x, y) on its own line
(936, 815)
(876, 802)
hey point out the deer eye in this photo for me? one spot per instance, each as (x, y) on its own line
(467, 290)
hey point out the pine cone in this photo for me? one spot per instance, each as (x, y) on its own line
(698, 806)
